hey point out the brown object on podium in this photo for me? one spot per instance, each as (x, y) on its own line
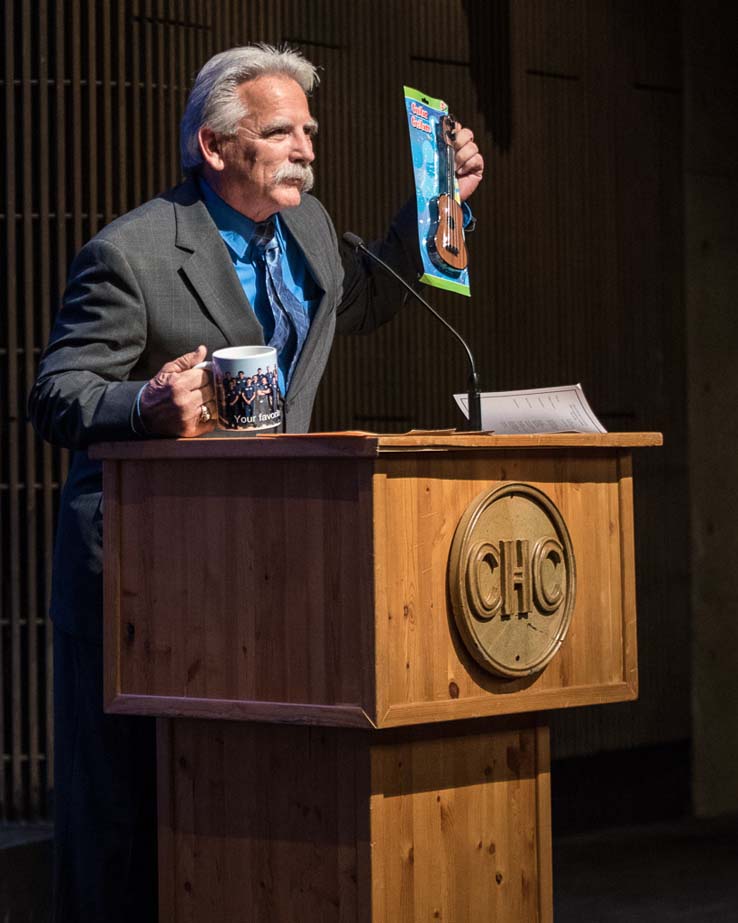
(329, 749)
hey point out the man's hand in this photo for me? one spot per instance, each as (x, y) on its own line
(171, 403)
(469, 163)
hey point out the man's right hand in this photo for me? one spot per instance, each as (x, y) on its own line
(171, 403)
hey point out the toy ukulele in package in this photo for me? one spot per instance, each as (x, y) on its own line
(440, 215)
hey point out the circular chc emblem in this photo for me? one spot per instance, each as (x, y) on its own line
(512, 579)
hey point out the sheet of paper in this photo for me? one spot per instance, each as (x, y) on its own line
(536, 410)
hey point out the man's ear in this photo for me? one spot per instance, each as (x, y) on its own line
(211, 147)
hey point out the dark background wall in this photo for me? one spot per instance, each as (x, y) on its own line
(711, 235)
(577, 264)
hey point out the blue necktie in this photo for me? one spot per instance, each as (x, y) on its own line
(291, 321)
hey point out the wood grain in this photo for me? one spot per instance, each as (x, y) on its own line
(281, 824)
(627, 546)
(312, 591)
(351, 444)
(246, 585)
(423, 669)
(246, 581)
(239, 710)
(262, 823)
(460, 828)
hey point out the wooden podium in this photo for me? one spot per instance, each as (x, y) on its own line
(331, 745)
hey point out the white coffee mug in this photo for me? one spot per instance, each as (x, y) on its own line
(246, 389)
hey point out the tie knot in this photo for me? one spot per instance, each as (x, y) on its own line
(263, 235)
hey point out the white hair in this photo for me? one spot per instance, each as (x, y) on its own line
(214, 100)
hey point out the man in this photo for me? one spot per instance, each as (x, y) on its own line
(248, 398)
(232, 402)
(238, 254)
(273, 379)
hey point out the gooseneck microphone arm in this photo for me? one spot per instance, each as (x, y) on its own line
(475, 400)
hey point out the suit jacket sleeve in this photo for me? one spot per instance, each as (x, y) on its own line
(82, 394)
(371, 296)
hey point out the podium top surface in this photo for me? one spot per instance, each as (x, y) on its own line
(361, 445)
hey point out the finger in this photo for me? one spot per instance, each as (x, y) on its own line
(186, 361)
(471, 167)
(193, 379)
(465, 151)
(203, 395)
(472, 164)
(462, 136)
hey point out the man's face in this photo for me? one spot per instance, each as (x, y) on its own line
(266, 166)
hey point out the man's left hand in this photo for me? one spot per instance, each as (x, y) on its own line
(469, 163)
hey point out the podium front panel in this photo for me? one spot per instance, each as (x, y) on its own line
(241, 589)
(306, 579)
(425, 671)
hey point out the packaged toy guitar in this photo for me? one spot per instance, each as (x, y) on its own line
(440, 213)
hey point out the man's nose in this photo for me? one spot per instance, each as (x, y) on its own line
(303, 148)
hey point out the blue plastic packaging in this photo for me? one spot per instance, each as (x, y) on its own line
(440, 216)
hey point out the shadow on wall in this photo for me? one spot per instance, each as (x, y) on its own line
(488, 24)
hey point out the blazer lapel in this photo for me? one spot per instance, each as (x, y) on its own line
(314, 255)
(210, 271)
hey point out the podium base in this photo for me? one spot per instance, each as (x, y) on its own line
(274, 824)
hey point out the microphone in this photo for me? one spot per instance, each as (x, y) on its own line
(475, 398)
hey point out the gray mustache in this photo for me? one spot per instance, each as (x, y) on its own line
(301, 173)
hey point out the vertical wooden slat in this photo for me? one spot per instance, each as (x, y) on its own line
(188, 43)
(193, 12)
(107, 115)
(162, 140)
(173, 31)
(62, 133)
(77, 136)
(92, 141)
(137, 32)
(219, 13)
(14, 441)
(202, 36)
(183, 80)
(148, 93)
(233, 26)
(123, 80)
(43, 669)
(6, 617)
(29, 611)
(195, 34)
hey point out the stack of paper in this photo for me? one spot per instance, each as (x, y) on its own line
(536, 410)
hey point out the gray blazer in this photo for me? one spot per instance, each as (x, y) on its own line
(150, 286)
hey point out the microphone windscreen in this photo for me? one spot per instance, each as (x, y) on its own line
(353, 240)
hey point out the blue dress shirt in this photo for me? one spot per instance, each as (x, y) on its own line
(237, 230)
